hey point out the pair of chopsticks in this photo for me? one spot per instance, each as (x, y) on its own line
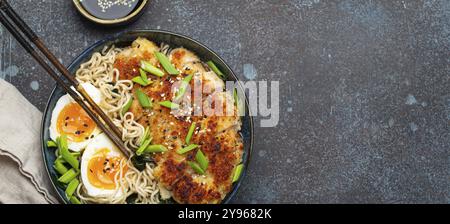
(24, 35)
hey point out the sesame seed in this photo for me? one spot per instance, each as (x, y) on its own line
(106, 4)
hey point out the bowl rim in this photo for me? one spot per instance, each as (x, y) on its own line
(94, 19)
(235, 186)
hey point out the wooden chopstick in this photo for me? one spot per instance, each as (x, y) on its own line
(15, 18)
(110, 131)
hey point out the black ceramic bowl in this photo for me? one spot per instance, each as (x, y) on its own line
(123, 40)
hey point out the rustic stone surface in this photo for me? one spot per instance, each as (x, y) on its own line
(365, 88)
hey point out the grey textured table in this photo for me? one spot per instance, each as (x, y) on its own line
(365, 88)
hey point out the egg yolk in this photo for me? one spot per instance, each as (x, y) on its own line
(102, 169)
(74, 122)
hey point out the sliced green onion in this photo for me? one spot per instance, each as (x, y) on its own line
(140, 81)
(238, 102)
(75, 154)
(57, 141)
(66, 155)
(190, 132)
(73, 184)
(127, 106)
(59, 166)
(202, 160)
(183, 86)
(187, 79)
(146, 66)
(143, 147)
(146, 133)
(187, 149)
(68, 176)
(237, 172)
(143, 99)
(74, 200)
(51, 144)
(167, 65)
(62, 142)
(216, 70)
(196, 168)
(155, 149)
(143, 75)
(169, 104)
(60, 160)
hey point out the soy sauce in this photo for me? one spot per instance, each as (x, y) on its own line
(109, 9)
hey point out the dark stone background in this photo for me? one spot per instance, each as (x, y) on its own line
(364, 85)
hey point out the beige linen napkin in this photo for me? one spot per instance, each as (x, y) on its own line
(23, 178)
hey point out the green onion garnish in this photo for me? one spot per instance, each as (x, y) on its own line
(190, 132)
(202, 160)
(143, 147)
(143, 99)
(59, 166)
(51, 144)
(66, 155)
(238, 102)
(75, 154)
(166, 64)
(216, 70)
(127, 106)
(236, 97)
(196, 168)
(62, 142)
(155, 149)
(183, 87)
(146, 66)
(74, 200)
(187, 149)
(143, 75)
(140, 81)
(57, 141)
(68, 176)
(73, 184)
(146, 133)
(237, 172)
(169, 104)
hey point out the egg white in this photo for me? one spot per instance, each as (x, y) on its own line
(97, 144)
(96, 96)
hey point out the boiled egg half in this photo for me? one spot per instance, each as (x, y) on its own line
(101, 162)
(68, 118)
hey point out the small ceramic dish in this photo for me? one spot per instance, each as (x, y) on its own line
(120, 14)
